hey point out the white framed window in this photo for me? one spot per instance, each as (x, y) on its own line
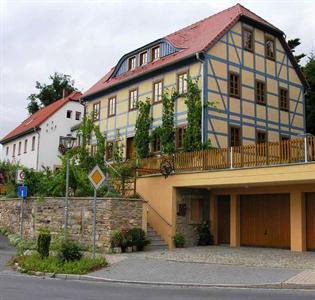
(157, 91)
(155, 53)
(143, 58)
(77, 115)
(25, 146)
(69, 114)
(33, 143)
(96, 111)
(182, 83)
(112, 106)
(133, 98)
(19, 149)
(132, 63)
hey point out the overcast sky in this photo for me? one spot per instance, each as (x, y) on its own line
(85, 38)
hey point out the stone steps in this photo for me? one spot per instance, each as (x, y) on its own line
(156, 242)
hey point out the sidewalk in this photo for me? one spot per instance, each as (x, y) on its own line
(6, 252)
(161, 267)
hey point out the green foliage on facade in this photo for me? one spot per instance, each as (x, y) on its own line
(143, 125)
(168, 125)
(192, 136)
(309, 73)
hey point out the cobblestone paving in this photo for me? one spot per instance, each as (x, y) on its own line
(306, 277)
(246, 256)
(152, 270)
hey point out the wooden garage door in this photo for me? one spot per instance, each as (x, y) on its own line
(265, 220)
(310, 221)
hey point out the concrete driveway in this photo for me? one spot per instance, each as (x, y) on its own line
(212, 265)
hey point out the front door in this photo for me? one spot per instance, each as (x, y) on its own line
(130, 153)
(223, 219)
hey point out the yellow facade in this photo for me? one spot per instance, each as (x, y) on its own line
(227, 55)
(125, 120)
(293, 179)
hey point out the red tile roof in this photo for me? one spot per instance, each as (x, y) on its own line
(197, 37)
(37, 118)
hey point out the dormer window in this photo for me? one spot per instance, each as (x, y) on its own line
(132, 63)
(155, 53)
(143, 58)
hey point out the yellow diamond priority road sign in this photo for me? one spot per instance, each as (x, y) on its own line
(96, 177)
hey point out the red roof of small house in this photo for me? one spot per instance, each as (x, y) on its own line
(37, 118)
(195, 38)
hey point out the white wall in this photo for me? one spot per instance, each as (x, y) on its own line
(46, 153)
(51, 130)
(26, 158)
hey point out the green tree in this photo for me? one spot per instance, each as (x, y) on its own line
(192, 136)
(33, 105)
(309, 73)
(168, 127)
(293, 43)
(49, 93)
(143, 124)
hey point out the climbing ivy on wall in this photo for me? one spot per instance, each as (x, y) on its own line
(87, 128)
(143, 124)
(192, 136)
(168, 127)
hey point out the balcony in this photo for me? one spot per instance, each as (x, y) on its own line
(296, 151)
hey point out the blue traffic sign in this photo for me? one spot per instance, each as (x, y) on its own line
(22, 191)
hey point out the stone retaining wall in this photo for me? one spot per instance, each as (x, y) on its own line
(111, 214)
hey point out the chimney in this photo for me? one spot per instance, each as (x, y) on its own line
(65, 93)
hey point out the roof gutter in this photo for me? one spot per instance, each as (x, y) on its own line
(4, 141)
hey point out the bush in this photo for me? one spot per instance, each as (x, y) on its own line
(43, 242)
(51, 264)
(205, 237)
(120, 239)
(136, 237)
(179, 240)
(69, 251)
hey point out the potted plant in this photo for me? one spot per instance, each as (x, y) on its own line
(179, 240)
(204, 235)
(120, 239)
(137, 238)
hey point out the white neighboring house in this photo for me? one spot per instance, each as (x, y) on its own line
(34, 143)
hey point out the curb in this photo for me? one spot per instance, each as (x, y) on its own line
(88, 278)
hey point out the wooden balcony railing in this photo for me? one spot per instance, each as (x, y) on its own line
(300, 150)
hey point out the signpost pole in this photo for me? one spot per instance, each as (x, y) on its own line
(66, 200)
(21, 217)
(96, 177)
(94, 224)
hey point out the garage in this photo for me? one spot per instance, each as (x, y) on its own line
(310, 221)
(265, 220)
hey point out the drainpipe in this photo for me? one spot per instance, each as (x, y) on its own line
(198, 57)
(37, 154)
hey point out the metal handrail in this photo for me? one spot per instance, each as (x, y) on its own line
(165, 221)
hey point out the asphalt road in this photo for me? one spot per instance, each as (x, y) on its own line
(16, 287)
